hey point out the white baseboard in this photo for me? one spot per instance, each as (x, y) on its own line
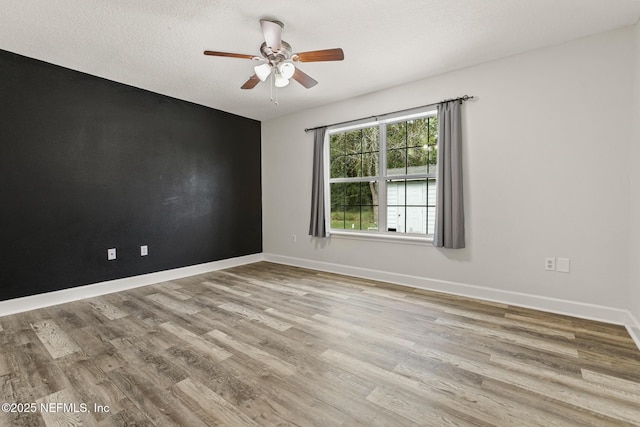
(33, 302)
(554, 305)
(634, 330)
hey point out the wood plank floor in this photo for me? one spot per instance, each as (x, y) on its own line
(266, 344)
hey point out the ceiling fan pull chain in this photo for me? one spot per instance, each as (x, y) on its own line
(274, 100)
(272, 87)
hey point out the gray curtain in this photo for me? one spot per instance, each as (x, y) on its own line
(449, 227)
(317, 224)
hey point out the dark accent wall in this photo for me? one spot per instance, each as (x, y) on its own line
(87, 164)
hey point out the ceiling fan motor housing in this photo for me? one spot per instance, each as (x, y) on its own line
(276, 57)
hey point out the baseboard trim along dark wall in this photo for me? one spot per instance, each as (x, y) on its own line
(88, 164)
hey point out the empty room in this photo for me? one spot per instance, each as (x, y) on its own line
(332, 213)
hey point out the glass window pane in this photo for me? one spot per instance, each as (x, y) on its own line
(397, 135)
(337, 194)
(431, 192)
(337, 217)
(396, 193)
(432, 156)
(353, 141)
(369, 193)
(407, 202)
(352, 218)
(417, 160)
(370, 163)
(336, 145)
(370, 139)
(396, 162)
(416, 192)
(431, 220)
(338, 168)
(395, 218)
(433, 130)
(369, 218)
(432, 144)
(417, 132)
(416, 220)
(352, 194)
(353, 165)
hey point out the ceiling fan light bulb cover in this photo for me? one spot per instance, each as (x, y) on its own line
(287, 69)
(262, 71)
(281, 81)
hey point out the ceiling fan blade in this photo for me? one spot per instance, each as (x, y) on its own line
(319, 55)
(304, 79)
(251, 83)
(272, 31)
(229, 55)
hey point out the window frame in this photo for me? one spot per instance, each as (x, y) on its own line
(381, 178)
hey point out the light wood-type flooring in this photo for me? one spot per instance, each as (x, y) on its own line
(266, 344)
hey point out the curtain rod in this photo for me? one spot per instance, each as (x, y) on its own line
(462, 98)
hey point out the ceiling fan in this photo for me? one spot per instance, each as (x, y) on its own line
(278, 59)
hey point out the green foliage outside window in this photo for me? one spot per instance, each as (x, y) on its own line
(411, 146)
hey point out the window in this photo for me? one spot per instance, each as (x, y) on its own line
(382, 176)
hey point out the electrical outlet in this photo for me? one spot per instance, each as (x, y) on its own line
(563, 265)
(144, 250)
(111, 254)
(294, 238)
(550, 264)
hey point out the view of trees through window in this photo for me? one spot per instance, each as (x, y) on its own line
(355, 154)
(406, 151)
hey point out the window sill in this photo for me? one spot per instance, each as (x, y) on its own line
(380, 237)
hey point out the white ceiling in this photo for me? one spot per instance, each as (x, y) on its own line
(157, 44)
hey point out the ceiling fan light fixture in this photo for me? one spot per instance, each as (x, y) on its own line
(287, 69)
(262, 71)
(280, 80)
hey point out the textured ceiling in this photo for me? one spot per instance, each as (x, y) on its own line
(157, 44)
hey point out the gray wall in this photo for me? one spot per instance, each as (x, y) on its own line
(634, 281)
(546, 148)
